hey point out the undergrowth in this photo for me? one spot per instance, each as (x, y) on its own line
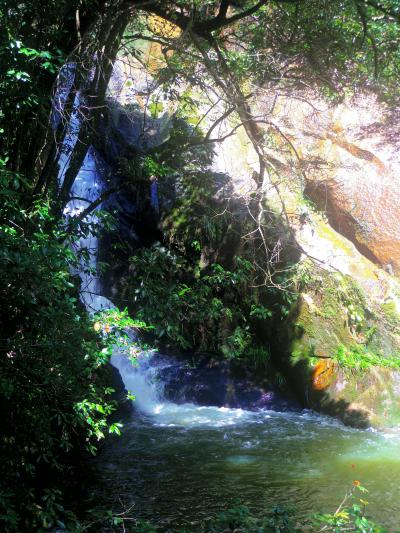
(53, 380)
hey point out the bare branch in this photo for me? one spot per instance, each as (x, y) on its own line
(83, 214)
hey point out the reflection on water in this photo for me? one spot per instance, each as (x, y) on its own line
(180, 463)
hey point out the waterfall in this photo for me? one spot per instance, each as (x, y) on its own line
(87, 187)
(144, 379)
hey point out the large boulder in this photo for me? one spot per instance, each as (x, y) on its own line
(340, 346)
(340, 351)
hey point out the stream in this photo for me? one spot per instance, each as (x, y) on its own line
(177, 464)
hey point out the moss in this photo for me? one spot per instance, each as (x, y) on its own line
(326, 232)
(328, 314)
(303, 351)
(389, 309)
(360, 358)
(375, 392)
(328, 310)
(360, 267)
(331, 359)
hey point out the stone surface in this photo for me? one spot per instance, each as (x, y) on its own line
(347, 158)
(335, 313)
(350, 154)
(215, 382)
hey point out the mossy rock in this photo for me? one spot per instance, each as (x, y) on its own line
(390, 311)
(334, 313)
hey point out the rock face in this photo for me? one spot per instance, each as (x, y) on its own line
(352, 159)
(337, 343)
(348, 312)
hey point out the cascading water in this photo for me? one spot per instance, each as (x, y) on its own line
(87, 187)
(141, 380)
(145, 380)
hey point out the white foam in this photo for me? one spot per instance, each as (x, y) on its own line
(143, 381)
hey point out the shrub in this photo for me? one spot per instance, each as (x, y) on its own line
(53, 392)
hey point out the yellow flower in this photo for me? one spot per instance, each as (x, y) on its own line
(97, 326)
(356, 483)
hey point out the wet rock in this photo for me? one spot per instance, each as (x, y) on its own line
(214, 382)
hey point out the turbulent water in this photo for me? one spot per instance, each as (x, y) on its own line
(178, 464)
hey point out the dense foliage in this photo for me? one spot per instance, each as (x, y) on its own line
(206, 311)
(32, 48)
(199, 287)
(53, 389)
(52, 381)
